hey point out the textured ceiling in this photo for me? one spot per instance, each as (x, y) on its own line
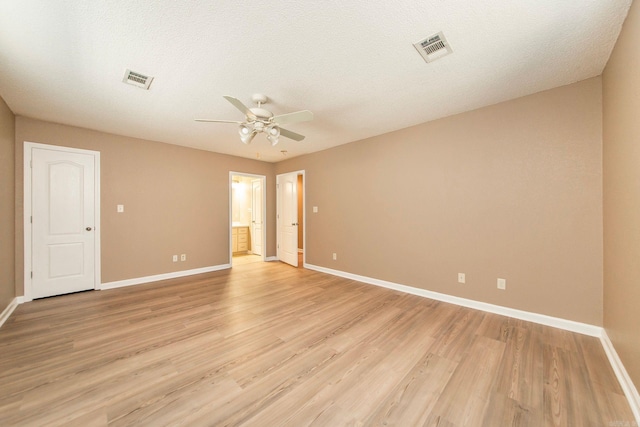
(351, 62)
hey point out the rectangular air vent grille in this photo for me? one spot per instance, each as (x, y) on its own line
(137, 79)
(433, 47)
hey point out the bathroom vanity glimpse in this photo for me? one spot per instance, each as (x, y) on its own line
(240, 239)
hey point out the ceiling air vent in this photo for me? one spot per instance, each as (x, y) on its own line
(433, 47)
(137, 79)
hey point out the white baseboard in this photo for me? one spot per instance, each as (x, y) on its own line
(9, 309)
(569, 325)
(271, 258)
(627, 385)
(157, 277)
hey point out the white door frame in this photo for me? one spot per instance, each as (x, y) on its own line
(304, 215)
(28, 146)
(263, 207)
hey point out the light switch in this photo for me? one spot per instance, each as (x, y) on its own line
(120, 208)
(315, 209)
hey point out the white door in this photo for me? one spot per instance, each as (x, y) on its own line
(288, 218)
(256, 217)
(63, 222)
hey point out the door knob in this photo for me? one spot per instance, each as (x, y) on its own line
(88, 228)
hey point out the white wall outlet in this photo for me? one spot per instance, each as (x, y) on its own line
(120, 208)
(502, 283)
(183, 257)
(461, 278)
(175, 258)
(315, 209)
(335, 256)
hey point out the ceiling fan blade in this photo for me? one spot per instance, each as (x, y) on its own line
(218, 121)
(240, 106)
(291, 135)
(298, 116)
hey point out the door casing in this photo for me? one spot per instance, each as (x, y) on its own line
(263, 207)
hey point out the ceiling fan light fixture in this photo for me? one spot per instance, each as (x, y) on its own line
(273, 135)
(244, 130)
(273, 139)
(246, 139)
(259, 120)
(274, 131)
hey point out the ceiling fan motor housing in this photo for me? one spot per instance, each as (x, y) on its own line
(262, 114)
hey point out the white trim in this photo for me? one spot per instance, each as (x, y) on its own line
(9, 309)
(165, 276)
(271, 258)
(623, 377)
(569, 325)
(26, 212)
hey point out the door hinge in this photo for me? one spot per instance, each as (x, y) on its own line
(32, 274)
(31, 164)
(31, 219)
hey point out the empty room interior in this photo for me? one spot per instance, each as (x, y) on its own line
(308, 213)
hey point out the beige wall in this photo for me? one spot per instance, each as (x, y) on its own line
(176, 200)
(621, 97)
(512, 190)
(7, 197)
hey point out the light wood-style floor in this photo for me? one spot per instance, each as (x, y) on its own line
(265, 344)
(245, 259)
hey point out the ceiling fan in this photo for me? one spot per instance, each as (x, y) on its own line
(258, 120)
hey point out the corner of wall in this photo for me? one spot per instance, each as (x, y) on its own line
(7, 206)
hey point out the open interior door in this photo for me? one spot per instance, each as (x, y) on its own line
(256, 217)
(287, 218)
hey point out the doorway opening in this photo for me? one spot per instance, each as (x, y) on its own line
(247, 228)
(291, 218)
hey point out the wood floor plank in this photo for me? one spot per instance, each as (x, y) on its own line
(466, 396)
(413, 398)
(267, 344)
(520, 379)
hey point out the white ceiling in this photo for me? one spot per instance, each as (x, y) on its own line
(351, 62)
